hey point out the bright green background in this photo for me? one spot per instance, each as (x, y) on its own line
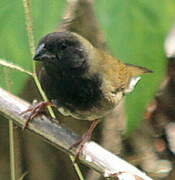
(135, 31)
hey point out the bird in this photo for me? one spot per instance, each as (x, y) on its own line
(81, 80)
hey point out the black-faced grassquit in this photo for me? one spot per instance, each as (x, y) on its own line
(80, 80)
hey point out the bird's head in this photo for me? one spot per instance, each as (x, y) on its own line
(65, 50)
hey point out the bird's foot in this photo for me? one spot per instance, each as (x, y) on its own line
(80, 143)
(35, 110)
(83, 140)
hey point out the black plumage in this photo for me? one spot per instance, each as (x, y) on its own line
(65, 63)
(72, 92)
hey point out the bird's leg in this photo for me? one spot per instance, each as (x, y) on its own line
(36, 110)
(85, 138)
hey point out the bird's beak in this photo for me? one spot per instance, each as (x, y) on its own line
(40, 53)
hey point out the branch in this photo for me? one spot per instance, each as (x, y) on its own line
(92, 155)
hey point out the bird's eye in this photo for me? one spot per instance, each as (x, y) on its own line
(63, 46)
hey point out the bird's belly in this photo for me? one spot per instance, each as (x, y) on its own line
(106, 106)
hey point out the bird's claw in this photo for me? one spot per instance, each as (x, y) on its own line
(36, 110)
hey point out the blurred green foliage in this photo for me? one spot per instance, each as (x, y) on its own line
(135, 31)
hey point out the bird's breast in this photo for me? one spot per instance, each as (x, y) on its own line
(77, 92)
(85, 98)
(91, 100)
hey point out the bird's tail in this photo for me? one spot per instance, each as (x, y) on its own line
(137, 70)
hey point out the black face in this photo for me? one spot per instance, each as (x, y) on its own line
(63, 50)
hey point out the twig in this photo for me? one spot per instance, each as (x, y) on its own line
(92, 155)
(12, 151)
(10, 65)
(28, 15)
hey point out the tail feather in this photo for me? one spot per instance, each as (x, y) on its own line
(137, 70)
